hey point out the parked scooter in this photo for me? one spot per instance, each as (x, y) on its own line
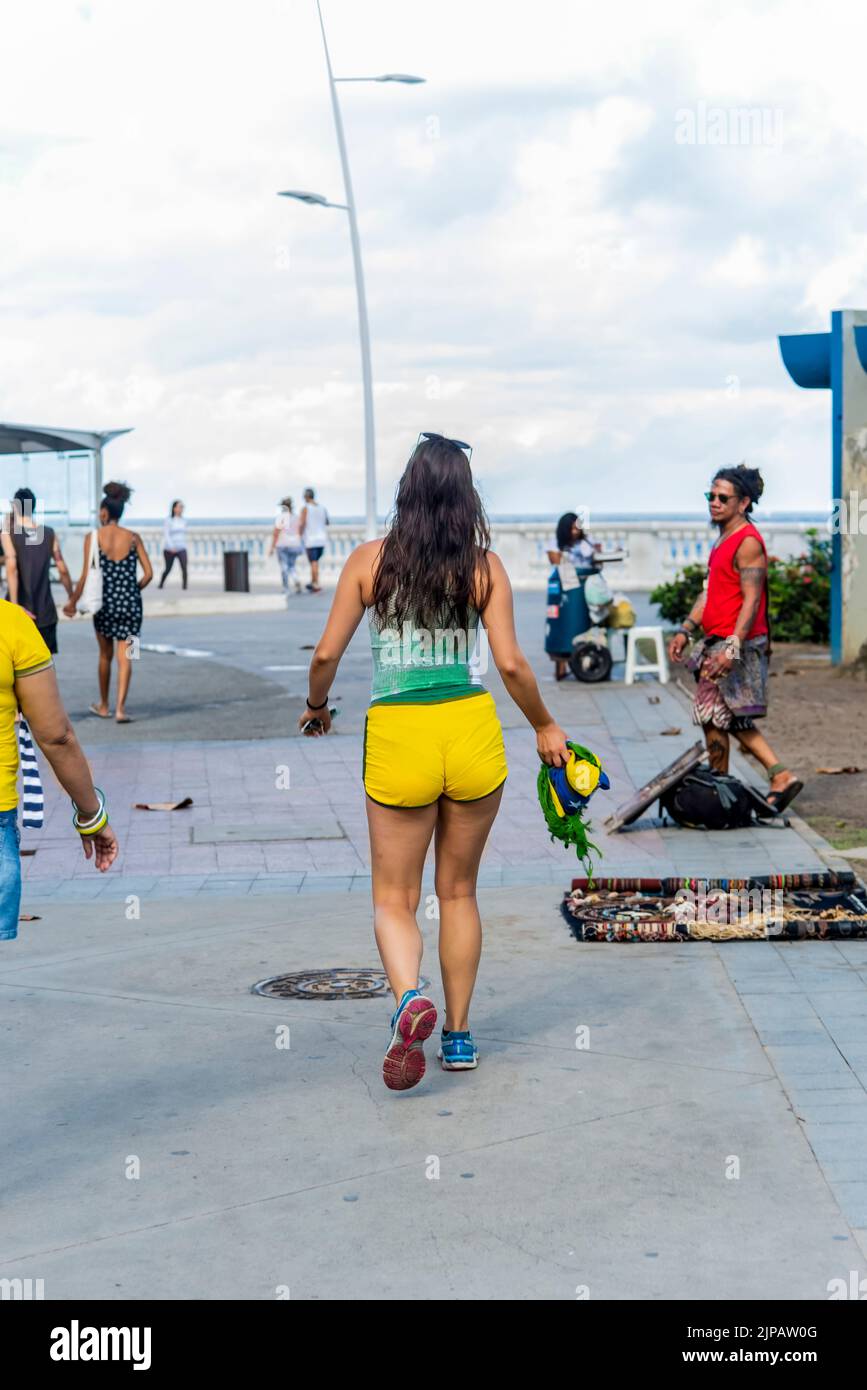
(581, 612)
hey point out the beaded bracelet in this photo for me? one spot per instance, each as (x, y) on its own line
(97, 822)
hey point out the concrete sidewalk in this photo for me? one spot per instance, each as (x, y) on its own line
(240, 787)
(707, 1144)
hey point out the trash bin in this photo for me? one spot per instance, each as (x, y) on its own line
(236, 572)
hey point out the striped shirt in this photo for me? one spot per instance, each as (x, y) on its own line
(32, 796)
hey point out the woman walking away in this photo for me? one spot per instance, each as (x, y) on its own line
(286, 540)
(314, 519)
(118, 551)
(175, 543)
(29, 550)
(27, 680)
(434, 762)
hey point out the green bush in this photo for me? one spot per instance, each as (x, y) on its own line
(674, 600)
(799, 594)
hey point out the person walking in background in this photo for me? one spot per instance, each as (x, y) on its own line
(175, 543)
(28, 550)
(434, 761)
(314, 519)
(28, 682)
(118, 552)
(730, 663)
(286, 540)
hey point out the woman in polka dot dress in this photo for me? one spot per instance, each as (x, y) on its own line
(119, 618)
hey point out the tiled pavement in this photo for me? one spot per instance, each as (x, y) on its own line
(808, 1006)
(242, 783)
(261, 1166)
(702, 1051)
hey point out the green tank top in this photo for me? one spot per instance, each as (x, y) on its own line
(420, 666)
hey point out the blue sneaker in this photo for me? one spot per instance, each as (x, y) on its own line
(458, 1051)
(413, 1020)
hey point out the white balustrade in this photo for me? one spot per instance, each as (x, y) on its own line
(654, 551)
(207, 544)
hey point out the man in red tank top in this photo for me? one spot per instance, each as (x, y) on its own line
(731, 662)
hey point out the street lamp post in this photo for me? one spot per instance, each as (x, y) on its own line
(371, 523)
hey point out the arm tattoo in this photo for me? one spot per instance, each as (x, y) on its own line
(752, 584)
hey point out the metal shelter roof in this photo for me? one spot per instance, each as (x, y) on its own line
(40, 439)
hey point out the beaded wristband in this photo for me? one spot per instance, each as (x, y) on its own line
(97, 822)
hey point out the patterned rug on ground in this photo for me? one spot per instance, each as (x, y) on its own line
(791, 907)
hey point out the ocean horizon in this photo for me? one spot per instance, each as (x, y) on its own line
(507, 518)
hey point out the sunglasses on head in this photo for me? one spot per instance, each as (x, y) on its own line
(720, 496)
(459, 443)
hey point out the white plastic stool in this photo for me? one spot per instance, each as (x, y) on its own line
(659, 667)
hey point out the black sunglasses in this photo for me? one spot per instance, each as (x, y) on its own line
(459, 443)
(720, 496)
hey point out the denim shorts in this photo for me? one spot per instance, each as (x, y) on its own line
(10, 875)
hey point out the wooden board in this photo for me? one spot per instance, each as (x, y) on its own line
(652, 790)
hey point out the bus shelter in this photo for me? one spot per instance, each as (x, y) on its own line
(63, 468)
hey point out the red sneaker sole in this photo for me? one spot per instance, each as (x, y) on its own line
(404, 1064)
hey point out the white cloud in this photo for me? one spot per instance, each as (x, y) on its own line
(841, 281)
(743, 265)
(549, 273)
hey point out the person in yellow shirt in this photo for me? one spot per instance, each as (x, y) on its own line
(28, 682)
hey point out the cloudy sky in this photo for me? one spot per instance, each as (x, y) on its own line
(577, 254)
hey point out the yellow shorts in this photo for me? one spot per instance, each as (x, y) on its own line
(414, 754)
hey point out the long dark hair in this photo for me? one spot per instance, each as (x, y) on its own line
(433, 565)
(116, 497)
(178, 502)
(564, 530)
(747, 482)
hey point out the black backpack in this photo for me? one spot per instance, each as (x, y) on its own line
(707, 800)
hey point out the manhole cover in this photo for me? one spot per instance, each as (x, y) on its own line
(327, 984)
